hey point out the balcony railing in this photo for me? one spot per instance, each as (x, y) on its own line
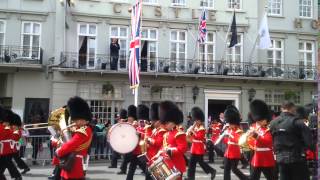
(20, 55)
(189, 66)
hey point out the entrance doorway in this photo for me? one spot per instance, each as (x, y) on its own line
(215, 107)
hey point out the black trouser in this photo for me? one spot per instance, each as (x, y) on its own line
(114, 160)
(20, 163)
(114, 62)
(22, 151)
(7, 163)
(294, 171)
(133, 166)
(35, 151)
(211, 149)
(125, 162)
(194, 159)
(231, 165)
(56, 173)
(268, 172)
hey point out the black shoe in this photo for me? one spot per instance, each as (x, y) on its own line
(17, 178)
(213, 174)
(25, 171)
(112, 167)
(221, 167)
(51, 177)
(121, 172)
(211, 161)
(244, 166)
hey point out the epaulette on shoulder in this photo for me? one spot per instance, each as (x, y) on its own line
(162, 130)
(147, 127)
(179, 134)
(82, 130)
(239, 131)
(201, 128)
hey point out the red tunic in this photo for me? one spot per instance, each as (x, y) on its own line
(215, 131)
(198, 139)
(176, 141)
(79, 143)
(16, 135)
(263, 154)
(155, 140)
(7, 142)
(55, 159)
(141, 132)
(232, 139)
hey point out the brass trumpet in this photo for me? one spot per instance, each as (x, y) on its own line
(245, 138)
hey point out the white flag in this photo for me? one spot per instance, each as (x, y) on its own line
(265, 41)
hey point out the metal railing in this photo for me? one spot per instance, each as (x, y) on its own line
(189, 66)
(20, 54)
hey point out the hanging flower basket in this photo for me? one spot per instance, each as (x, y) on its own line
(107, 89)
(290, 95)
(156, 89)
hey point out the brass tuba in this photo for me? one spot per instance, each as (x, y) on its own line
(58, 120)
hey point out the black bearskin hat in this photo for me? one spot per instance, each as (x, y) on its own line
(302, 113)
(2, 113)
(79, 109)
(8, 116)
(123, 114)
(197, 114)
(169, 112)
(232, 116)
(132, 111)
(154, 112)
(16, 120)
(143, 112)
(259, 111)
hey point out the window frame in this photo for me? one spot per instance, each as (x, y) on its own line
(177, 48)
(234, 49)
(4, 32)
(150, 3)
(270, 3)
(311, 10)
(156, 40)
(305, 52)
(119, 37)
(31, 34)
(274, 50)
(178, 4)
(88, 35)
(206, 44)
(236, 9)
(207, 7)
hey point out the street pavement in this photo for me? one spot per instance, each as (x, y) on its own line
(100, 171)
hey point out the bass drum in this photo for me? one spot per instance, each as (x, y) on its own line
(123, 138)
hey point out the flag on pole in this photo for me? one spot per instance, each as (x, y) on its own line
(234, 38)
(265, 41)
(135, 45)
(202, 27)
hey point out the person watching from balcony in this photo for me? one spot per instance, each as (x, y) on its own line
(114, 54)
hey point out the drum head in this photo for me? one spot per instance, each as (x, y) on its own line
(123, 138)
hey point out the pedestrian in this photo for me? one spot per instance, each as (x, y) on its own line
(114, 53)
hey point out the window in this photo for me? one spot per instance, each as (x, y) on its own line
(178, 50)
(121, 33)
(87, 45)
(234, 4)
(235, 54)
(31, 34)
(178, 2)
(207, 53)
(2, 32)
(149, 49)
(276, 53)
(306, 54)
(206, 4)
(150, 1)
(105, 110)
(274, 98)
(275, 7)
(305, 8)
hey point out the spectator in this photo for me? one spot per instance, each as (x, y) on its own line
(189, 122)
(114, 53)
(101, 134)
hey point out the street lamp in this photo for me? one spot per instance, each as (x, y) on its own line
(252, 94)
(195, 92)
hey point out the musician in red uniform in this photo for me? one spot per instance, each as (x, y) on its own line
(142, 115)
(263, 159)
(215, 130)
(81, 139)
(197, 135)
(174, 140)
(232, 154)
(17, 133)
(7, 146)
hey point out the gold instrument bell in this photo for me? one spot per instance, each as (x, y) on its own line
(243, 141)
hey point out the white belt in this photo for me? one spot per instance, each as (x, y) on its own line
(197, 141)
(263, 149)
(233, 143)
(79, 156)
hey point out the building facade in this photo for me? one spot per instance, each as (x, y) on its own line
(51, 50)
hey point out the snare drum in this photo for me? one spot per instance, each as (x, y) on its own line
(163, 169)
(123, 138)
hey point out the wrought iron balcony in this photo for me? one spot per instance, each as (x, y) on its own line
(20, 55)
(103, 62)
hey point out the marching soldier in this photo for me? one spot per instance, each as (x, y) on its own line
(78, 145)
(232, 154)
(142, 115)
(174, 140)
(197, 134)
(263, 159)
(215, 130)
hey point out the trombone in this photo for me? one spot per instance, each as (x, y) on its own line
(36, 126)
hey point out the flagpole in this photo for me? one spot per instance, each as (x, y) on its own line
(136, 89)
(136, 96)
(253, 48)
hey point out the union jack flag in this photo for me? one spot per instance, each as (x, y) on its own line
(135, 45)
(202, 27)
